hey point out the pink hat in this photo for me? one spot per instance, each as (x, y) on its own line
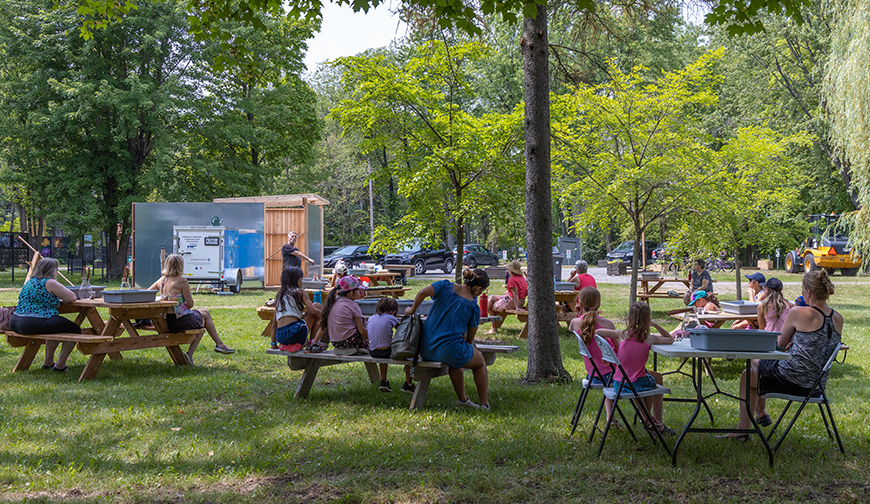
(349, 283)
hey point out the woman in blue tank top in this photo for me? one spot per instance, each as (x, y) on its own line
(448, 333)
(36, 312)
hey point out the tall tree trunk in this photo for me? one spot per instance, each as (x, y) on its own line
(545, 358)
(116, 254)
(635, 261)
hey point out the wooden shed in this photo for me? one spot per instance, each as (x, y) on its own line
(302, 213)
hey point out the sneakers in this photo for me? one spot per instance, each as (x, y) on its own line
(385, 386)
(409, 388)
(224, 349)
(468, 404)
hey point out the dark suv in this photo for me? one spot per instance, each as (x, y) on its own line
(474, 255)
(424, 257)
(625, 250)
(352, 255)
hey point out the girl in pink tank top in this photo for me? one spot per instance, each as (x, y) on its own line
(633, 354)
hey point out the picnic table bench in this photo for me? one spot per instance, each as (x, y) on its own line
(523, 316)
(422, 373)
(105, 337)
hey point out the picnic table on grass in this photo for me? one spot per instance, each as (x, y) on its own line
(375, 277)
(423, 373)
(718, 319)
(268, 313)
(562, 299)
(104, 337)
(648, 291)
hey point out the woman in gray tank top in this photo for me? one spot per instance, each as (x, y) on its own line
(810, 335)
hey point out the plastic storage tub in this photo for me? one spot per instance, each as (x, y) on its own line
(98, 291)
(739, 307)
(368, 306)
(733, 340)
(313, 284)
(650, 275)
(564, 286)
(129, 296)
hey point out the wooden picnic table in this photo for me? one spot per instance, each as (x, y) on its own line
(268, 313)
(423, 373)
(718, 319)
(648, 292)
(375, 278)
(104, 337)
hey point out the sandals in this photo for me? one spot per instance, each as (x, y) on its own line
(295, 347)
(764, 420)
(56, 370)
(46, 368)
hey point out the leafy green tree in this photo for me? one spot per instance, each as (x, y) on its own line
(448, 162)
(638, 152)
(750, 202)
(84, 118)
(845, 87)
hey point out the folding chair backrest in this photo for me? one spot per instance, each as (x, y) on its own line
(584, 351)
(607, 352)
(832, 359)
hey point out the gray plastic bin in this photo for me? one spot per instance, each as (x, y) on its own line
(129, 296)
(733, 340)
(369, 306)
(740, 307)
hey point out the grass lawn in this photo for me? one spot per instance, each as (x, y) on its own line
(229, 430)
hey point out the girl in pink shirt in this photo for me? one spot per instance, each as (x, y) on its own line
(585, 325)
(633, 353)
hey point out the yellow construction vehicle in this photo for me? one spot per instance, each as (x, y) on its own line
(826, 248)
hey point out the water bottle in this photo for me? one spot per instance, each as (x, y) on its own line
(85, 290)
(318, 297)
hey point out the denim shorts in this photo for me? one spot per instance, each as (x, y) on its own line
(296, 332)
(643, 383)
(596, 381)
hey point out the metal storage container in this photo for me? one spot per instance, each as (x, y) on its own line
(129, 296)
(650, 275)
(564, 286)
(733, 340)
(740, 307)
(98, 291)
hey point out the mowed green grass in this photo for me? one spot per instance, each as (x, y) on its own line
(229, 430)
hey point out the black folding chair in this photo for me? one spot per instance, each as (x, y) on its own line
(821, 400)
(627, 390)
(590, 384)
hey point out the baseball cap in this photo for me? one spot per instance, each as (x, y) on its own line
(340, 268)
(349, 283)
(773, 284)
(758, 277)
(800, 301)
(697, 295)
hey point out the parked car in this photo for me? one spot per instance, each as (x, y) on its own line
(626, 249)
(352, 255)
(425, 257)
(475, 255)
(329, 250)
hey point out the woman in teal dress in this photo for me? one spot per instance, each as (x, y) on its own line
(448, 333)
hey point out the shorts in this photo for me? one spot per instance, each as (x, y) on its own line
(355, 341)
(643, 383)
(192, 320)
(769, 382)
(596, 381)
(382, 353)
(293, 333)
